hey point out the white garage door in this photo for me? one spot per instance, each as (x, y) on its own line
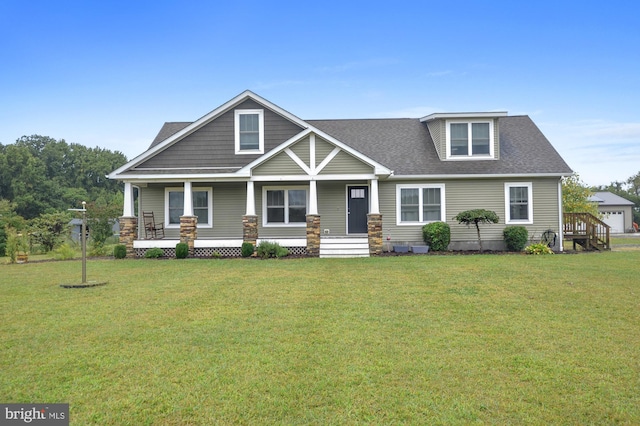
(615, 220)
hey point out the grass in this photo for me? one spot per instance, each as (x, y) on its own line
(498, 339)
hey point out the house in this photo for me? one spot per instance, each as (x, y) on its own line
(249, 171)
(617, 212)
(75, 226)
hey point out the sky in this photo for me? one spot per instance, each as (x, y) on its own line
(109, 73)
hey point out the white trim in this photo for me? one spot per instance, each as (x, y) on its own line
(181, 189)
(327, 159)
(306, 178)
(560, 216)
(251, 200)
(312, 208)
(507, 203)
(463, 115)
(298, 161)
(286, 223)
(127, 209)
(236, 114)
(420, 186)
(470, 155)
(374, 197)
(480, 176)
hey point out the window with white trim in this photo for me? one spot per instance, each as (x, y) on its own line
(249, 131)
(417, 204)
(518, 199)
(202, 202)
(285, 206)
(469, 139)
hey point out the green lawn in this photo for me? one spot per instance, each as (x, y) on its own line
(497, 339)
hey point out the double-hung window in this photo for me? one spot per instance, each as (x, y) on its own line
(201, 201)
(249, 131)
(417, 204)
(285, 206)
(518, 200)
(469, 139)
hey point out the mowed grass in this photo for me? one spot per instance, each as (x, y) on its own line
(498, 339)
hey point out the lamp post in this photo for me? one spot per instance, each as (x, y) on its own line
(83, 239)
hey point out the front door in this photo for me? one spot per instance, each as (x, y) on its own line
(357, 209)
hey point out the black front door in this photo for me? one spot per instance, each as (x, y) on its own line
(357, 209)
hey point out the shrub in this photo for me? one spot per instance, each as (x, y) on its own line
(97, 248)
(247, 249)
(437, 235)
(515, 237)
(154, 253)
(538, 248)
(120, 251)
(216, 255)
(182, 250)
(64, 252)
(267, 249)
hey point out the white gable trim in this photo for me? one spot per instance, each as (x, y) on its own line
(247, 94)
(379, 169)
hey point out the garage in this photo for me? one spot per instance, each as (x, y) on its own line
(615, 220)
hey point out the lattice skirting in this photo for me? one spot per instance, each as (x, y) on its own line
(222, 251)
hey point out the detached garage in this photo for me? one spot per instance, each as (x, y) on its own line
(617, 212)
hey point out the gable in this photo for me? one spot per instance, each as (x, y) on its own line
(312, 155)
(212, 145)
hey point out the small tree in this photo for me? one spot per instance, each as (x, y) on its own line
(49, 229)
(477, 217)
(575, 196)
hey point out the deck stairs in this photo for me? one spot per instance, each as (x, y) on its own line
(586, 230)
(344, 247)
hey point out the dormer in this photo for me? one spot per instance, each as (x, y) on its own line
(464, 136)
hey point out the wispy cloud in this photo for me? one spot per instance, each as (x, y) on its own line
(600, 151)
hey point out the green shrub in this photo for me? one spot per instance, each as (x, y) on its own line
(182, 250)
(437, 235)
(267, 249)
(515, 237)
(120, 251)
(539, 248)
(247, 249)
(154, 253)
(64, 252)
(216, 255)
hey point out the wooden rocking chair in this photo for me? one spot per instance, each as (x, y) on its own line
(152, 230)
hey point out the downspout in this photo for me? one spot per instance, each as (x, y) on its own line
(560, 216)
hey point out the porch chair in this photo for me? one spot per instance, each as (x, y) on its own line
(152, 230)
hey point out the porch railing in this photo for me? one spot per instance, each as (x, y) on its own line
(586, 230)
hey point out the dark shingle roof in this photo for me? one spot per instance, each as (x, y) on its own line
(405, 146)
(168, 129)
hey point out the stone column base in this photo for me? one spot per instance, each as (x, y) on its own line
(250, 229)
(189, 231)
(128, 233)
(374, 229)
(313, 235)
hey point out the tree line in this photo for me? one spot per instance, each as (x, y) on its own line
(41, 178)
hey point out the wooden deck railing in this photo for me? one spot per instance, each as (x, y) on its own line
(587, 230)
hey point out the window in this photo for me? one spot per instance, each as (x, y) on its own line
(518, 203)
(201, 201)
(285, 206)
(419, 203)
(469, 139)
(249, 131)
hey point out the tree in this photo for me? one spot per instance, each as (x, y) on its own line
(575, 196)
(102, 215)
(49, 229)
(477, 217)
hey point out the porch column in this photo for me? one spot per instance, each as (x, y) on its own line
(127, 211)
(313, 222)
(250, 219)
(313, 198)
(188, 222)
(128, 222)
(375, 203)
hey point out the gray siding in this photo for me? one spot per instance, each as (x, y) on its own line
(474, 194)
(345, 163)
(323, 148)
(213, 144)
(281, 164)
(437, 130)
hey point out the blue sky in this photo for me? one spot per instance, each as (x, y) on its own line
(109, 73)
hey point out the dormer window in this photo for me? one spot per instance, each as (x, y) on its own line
(249, 131)
(469, 139)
